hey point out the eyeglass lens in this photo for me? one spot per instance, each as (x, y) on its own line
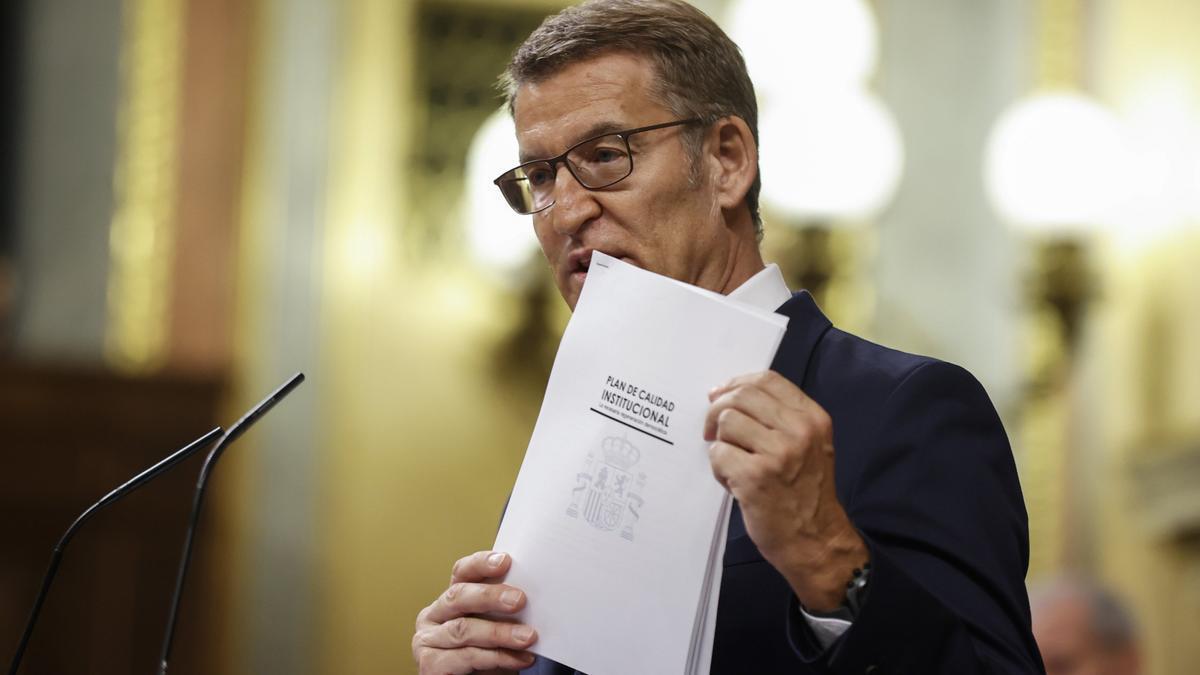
(595, 163)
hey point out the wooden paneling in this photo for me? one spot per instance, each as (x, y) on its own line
(67, 437)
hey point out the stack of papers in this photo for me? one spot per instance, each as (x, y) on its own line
(616, 525)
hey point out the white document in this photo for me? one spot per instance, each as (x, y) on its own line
(616, 525)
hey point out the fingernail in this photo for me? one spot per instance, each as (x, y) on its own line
(522, 633)
(510, 597)
(496, 559)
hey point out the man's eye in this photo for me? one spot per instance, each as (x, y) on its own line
(539, 177)
(604, 155)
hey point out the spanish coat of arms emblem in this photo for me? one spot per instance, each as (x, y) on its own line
(607, 493)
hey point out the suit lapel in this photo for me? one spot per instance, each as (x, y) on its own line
(806, 326)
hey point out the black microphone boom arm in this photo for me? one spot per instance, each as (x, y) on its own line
(240, 427)
(56, 557)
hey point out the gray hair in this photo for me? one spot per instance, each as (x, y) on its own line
(1110, 620)
(700, 71)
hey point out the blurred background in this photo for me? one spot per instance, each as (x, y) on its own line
(200, 197)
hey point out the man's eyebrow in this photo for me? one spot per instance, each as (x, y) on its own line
(597, 129)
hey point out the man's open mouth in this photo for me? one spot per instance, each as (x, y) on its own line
(580, 262)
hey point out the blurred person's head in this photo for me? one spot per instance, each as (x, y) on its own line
(1083, 629)
(689, 208)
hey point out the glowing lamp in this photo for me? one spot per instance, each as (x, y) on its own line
(1054, 163)
(837, 157)
(497, 238)
(811, 43)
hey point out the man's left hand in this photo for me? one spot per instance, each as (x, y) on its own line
(773, 450)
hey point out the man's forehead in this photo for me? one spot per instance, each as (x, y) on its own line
(592, 97)
(540, 143)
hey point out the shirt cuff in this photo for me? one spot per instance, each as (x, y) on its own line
(826, 629)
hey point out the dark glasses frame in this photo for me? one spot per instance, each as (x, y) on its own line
(553, 162)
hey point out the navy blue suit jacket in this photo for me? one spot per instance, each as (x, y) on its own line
(925, 472)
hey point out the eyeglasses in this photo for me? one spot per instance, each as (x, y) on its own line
(596, 163)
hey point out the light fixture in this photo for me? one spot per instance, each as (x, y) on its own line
(501, 241)
(836, 158)
(504, 246)
(816, 44)
(831, 152)
(1057, 170)
(1164, 167)
(1054, 163)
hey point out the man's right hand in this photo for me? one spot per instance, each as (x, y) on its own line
(452, 639)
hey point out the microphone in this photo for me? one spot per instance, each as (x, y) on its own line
(56, 557)
(240, 427)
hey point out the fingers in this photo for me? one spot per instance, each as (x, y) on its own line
(449, 638)
(470, 660)
(737, 428)
(480, 566)
(775, 403)
(476, 632)
(470, 598)
(769, 381)
(729, 463)
(752, 401)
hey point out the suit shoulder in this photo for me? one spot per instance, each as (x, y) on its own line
(848, 358)
(845, 366)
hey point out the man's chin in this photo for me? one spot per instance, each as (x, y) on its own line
(570, 288)
(574, 288)
(571, 299)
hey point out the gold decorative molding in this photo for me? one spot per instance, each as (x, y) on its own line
(1059, 44)
(830, 260)
(1059, 289)
(142, 233)
(1166, 494)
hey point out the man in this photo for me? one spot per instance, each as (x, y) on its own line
(1082, 629)
(879, 523)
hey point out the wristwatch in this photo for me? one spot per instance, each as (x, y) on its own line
(856, 590)
(856, 595)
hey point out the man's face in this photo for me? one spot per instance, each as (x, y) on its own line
(657, 218)
(1063, 632)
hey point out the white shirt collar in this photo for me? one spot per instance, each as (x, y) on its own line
(766, 289)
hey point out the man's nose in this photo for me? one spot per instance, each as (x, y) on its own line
(574, 205)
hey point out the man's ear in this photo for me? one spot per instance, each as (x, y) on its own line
(734, 156)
